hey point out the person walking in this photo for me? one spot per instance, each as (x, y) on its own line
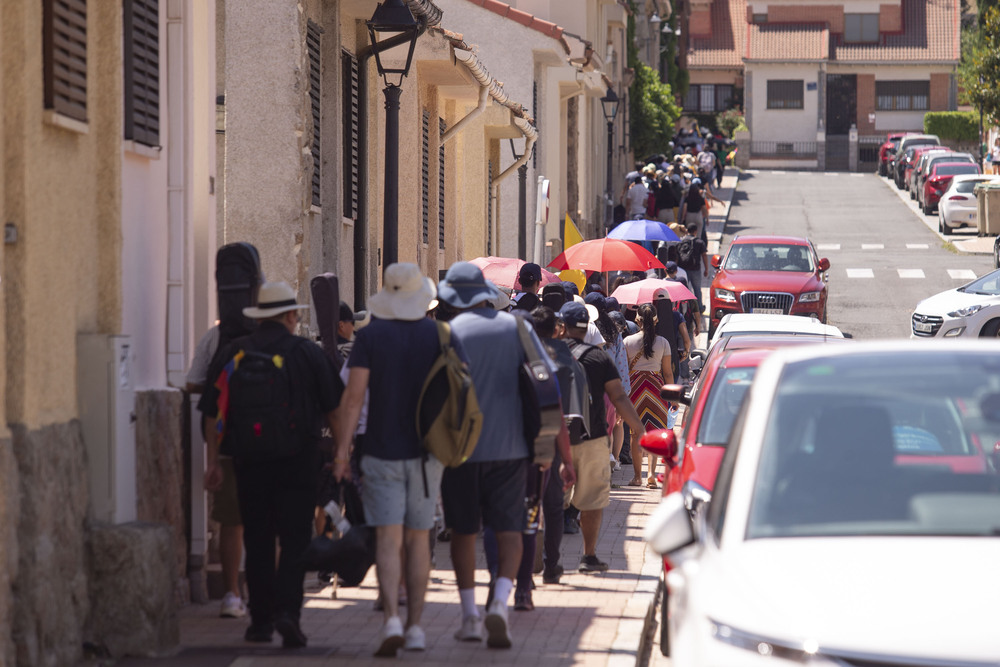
(649, 361)
(636, 199)
(592, 491)
(390, 359)
(995, 153)
(275, 449)
(490, 487)
(692, 256)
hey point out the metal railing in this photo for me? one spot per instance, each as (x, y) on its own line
(783, 149)
(868, 147)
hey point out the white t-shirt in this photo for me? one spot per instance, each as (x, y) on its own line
(633, 347)
(996, 154)
(637, 198)
(593, 336)
(203, 353)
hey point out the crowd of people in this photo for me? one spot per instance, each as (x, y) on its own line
(267, 466)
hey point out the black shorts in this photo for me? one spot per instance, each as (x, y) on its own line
(490, 492)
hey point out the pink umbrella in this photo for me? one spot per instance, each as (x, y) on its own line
(606, 255)
(503, 271)
(645, 291)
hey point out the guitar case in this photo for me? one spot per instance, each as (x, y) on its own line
(325, 289)
(238, 277)
(539, 388)
(665, 327)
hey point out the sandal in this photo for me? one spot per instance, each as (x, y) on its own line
(651, 483)
(635, 482)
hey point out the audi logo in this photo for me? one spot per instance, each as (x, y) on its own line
(767, 299)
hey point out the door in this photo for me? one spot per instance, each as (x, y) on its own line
(841, 103)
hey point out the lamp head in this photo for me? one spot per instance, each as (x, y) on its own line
(609, 103)
(392, 19)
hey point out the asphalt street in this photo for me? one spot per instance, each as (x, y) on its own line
(883, 257)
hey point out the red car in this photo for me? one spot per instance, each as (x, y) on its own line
(774, 275)
(887, 151)
(939, 179)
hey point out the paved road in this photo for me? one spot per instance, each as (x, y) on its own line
(883, 257)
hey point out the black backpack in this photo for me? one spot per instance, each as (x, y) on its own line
(261, 422)
(687, 257)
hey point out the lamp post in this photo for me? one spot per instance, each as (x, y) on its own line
(609, 104)
(522, 203)
(392, 24)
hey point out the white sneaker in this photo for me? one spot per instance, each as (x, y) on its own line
(496, 626)
(391, 638)
(414, 639)
(471, 630)
(617, 465)
(232, 607)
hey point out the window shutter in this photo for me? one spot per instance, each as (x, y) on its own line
(425, 176)
(352, 121)
(538, 120)
(489, 209)
(313, 33)
(142, 71)
(441, 130)
(64, 44)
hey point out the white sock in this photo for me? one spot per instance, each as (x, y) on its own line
(468, 598)
(502, 589)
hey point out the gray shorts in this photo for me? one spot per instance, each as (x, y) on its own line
(393, 491)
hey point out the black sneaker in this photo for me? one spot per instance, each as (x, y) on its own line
(552, 576)
(571, 526)
(592, 564)
(291, 633)
(522, 600)
(259, 633)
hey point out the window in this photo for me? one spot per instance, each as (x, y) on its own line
(352, 128)
(759, 18)
(707, 101)
(784, 94)
(860, 28)
(313, 33)
(425, 176)
(707, 98)
(141, 90)
(902, 95)
(64, 48)
(441, 130)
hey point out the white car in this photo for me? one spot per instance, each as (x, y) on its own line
(739, 324)
(969, 310)
(958, 207)
(855, 519)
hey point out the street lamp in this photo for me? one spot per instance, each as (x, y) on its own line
(609, 104)
(522, 202)
(392, 25)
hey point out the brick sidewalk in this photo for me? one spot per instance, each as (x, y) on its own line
(587, 619)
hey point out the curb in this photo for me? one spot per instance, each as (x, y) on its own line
(652, 600)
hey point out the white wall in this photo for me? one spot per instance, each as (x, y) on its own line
(783, 124)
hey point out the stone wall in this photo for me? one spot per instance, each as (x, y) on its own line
(50, 598)
(8, 546)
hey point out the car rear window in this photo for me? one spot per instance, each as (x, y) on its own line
(952, 169)
(969, 185)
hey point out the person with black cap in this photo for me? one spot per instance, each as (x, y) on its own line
(345, 329)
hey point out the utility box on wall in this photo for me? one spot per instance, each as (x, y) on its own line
(106, 398)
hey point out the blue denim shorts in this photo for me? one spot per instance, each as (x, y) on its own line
(393, 491)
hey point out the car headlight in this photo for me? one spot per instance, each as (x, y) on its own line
(725, 295)
(763, 646)
(809, 297)
(967, 311)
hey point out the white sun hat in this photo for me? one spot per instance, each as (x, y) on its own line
(406, 294)
(273, 299)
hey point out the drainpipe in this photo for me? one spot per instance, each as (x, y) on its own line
(530, 136)
(484, 99)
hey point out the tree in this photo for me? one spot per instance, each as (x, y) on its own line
(653, 112)
(982, 80)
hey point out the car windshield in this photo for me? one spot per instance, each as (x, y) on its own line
(949, 157)
(724, 399)
(952, 169)
(969, 185)
(769, 257)
(988, 285)
(881, 444)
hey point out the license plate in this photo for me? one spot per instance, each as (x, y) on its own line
(922, 327)
(971, 217)
(768, 311)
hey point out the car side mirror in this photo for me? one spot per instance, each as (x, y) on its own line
(661, 442)
(824, 264)
(716, 261)
(669, 527)
(695, 495)
(675, 392)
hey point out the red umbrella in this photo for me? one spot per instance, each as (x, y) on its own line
(645, 291)
(503, 271)
(606, 255)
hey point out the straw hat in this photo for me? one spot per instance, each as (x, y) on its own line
(273, 299)
(406, 294)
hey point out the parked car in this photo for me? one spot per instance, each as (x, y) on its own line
(958, 206)
(938, 181)
(770, 275)
(905, 143)
(920, 178)
(849, 469)
(921, 154)
(968, 311)
(887, 152)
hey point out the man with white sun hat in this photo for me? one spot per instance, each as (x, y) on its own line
(391, 358)
(267, 398)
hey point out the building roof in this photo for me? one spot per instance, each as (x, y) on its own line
(930, 34)
(724, 49)
(524, 18)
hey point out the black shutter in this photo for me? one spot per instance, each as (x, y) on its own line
(352, 120)
(425, 176)
(64, 45)
(313, 33)
(441, 130)
(141, 44)
(489, 209)
(537, 116)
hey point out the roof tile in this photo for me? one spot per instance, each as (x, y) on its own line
(788, 42)
(725, 47)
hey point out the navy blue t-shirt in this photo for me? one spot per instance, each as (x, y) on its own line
(398, 355)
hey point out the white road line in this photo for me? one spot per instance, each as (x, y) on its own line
(751, 171)
(827, 246)
(781, 173)
(873, 246)
(858, 175)
(962, 274)
(917, 246)
(860, 273)
(910, 273)
(830, 173)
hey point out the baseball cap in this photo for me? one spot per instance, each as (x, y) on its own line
(348, 315)
(596, 300)
(529, 273)
(671, 266)
(574, 315)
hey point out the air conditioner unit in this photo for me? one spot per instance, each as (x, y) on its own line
(106, 398)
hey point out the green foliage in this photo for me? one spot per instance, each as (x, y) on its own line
(982, 83)
(967, 74)
(955, 125)
(653, 112)
(729, 121)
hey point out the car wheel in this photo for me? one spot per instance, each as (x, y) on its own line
(926, 209)
(664, 626)
(945, 229)
(991, 329)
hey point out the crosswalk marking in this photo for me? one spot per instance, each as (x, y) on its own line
(962, 274)
(751, 171)
(917, 246)
(910, 273)
(860, 273)
(858, 175)
(779, 173)
(827, 246)
(831, 173)
(873, 246)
